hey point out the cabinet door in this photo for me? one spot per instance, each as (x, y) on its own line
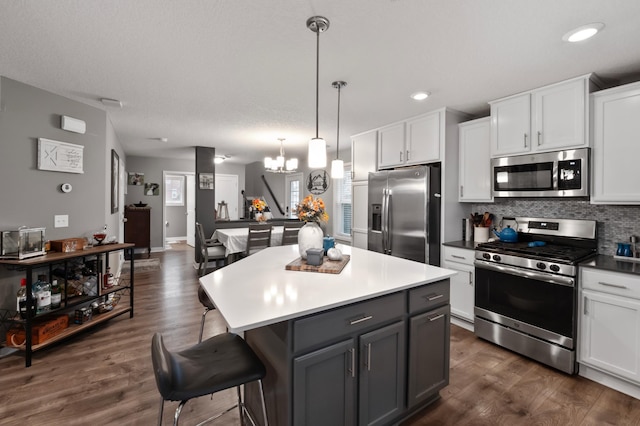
(382, 372)
(423, 139)
(363, 155)
(428, 354)
(462, 290)
(359, 220)
(559, 121)
(511, 126)
(610, 334)
(391, 146)
(475, 161)
(324, 390)
(615, 145)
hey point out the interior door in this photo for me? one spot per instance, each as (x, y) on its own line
(293, 193)
(191, 210)
(226, 188)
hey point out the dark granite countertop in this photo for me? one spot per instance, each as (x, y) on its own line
(609, 263)
(469, 245)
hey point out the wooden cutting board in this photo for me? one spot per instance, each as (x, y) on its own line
(327, 267)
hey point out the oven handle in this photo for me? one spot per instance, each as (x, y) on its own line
(534, 275)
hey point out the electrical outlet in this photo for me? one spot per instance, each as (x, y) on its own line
(61, 221)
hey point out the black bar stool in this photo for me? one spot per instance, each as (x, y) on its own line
(220, 362)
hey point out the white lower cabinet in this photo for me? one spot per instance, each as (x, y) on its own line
(462, 284)
(609, 338)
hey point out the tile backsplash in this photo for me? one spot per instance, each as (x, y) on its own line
(615, 223)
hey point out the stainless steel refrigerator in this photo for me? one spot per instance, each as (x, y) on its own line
(404, 213)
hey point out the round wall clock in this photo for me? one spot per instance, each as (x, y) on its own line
(318, 182)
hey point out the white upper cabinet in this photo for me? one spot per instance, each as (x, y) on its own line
(363, 155)
(616, 147)
(423, 139)
(474, 171)
(551, 118)
(415, 141)
(391, 150)
(511, 126)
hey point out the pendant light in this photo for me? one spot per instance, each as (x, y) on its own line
(317, 146)
(337, 165)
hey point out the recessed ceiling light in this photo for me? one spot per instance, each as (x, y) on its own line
(420, 96)
(582, 33)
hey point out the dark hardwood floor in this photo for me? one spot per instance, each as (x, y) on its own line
(104, 376)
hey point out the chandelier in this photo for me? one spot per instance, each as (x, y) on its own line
(280, 164)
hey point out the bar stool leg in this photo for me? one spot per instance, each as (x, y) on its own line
(264, 404)
(240, 406)
(204, 314)
(176, 416)
(161, 411)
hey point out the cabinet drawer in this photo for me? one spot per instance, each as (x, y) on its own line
(429, 296)
(324, 327)
(626, 285)
(459, 255)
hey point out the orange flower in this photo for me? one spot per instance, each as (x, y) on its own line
(312, 210)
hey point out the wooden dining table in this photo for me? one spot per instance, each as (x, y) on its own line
(235, 239)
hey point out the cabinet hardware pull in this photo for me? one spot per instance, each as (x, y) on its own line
(400, 155)
(585, 306)
(612, 285)
(471, 279)
(539, 134)
(525, 140)
(437, 317)
(455, 256)
(368, 356)
(352, 351)
(353, 322)
(431, 297)
(461, 191)
(408, 155)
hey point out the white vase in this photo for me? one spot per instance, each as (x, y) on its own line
(309, 236)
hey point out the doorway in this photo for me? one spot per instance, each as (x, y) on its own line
(226, 187)
(293, 191)
(178, 208)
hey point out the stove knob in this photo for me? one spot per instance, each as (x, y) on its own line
(541, 265)
(497, 258)
(554, 268)
(486, 256)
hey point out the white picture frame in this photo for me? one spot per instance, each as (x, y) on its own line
(59, 156)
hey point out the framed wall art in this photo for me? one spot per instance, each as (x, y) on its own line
(206, 180)
(115, 174)
(60, 156)
(136, 179)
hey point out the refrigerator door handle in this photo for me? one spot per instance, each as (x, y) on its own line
(383, 225)
(388, 221)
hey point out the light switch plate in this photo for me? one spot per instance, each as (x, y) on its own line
(61, 221)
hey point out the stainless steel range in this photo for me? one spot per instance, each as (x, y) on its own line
(526, 292)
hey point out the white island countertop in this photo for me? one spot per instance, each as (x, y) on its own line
(257, 291)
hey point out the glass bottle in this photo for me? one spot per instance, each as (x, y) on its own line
(42, 293)
(56, 295)
(108, 278)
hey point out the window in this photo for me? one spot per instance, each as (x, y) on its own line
(342, 204)
(293, 187)
(174, 190)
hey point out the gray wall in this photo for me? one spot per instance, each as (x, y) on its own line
(615, 223)
(32, 197)
(153, 173)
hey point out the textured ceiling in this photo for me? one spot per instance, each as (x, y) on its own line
(238, 75)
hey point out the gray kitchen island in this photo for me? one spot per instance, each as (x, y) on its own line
(367, 346)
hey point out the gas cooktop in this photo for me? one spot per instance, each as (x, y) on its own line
(549, 251)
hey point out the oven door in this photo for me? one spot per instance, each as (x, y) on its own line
(538, 304)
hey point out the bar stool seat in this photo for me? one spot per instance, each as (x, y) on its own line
(220, 362)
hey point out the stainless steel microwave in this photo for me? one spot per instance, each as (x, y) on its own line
(546, 174)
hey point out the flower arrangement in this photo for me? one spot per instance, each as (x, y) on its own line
(312, 210)
(260, 206)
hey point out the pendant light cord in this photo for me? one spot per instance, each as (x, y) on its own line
(317, 77)
(338, 132)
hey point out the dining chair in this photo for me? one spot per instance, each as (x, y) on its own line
(209, 250)
(290, 232)
(221, 362)
(259, 238)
